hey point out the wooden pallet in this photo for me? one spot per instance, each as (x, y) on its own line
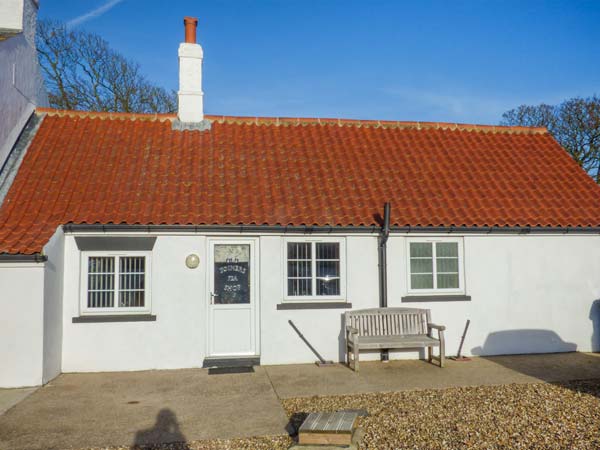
(327, 428)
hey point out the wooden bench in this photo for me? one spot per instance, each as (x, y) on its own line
(392, 328)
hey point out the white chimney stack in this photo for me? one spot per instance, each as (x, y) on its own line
(191, 108)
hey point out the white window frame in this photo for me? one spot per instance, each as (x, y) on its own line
(315, 298)
(115, 310)
(461, 267)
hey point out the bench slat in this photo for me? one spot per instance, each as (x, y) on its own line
(391, 328)
(382, 342)
(389, 322)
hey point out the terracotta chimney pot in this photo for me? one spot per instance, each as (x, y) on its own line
(190, 29)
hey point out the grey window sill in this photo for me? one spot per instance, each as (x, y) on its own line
(314, 305)
(115, 318)
(435, 298)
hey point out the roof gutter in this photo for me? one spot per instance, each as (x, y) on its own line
(303, 229)
(19, 258)
(308, 229)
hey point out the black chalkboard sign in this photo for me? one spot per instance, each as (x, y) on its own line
(232, 282)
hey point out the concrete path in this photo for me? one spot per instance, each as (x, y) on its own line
(10, 397)
(309, 379)
(122, 408)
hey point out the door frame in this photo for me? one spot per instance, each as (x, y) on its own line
(254, 292)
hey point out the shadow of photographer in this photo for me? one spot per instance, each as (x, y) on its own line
(165, 430)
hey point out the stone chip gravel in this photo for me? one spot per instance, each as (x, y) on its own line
(516, 416)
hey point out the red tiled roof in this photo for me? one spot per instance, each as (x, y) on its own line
(134, 169)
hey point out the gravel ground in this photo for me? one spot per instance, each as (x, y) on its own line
(516, 416)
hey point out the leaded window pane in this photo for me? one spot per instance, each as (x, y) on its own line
(447, 281)
(299, 286)
(421, 265)
(421, 250)
(328, 268)
(421, 281)
(299, 268)
(313, 269)
(101, 282)
(299, 250)
(132, 281)
(447, 265)
(328, 286)
(443, 273)
(446, 249)
(328, 250)
(102, 275)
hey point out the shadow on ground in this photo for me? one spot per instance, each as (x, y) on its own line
(564, 363)
(165, 430)
(294, 424)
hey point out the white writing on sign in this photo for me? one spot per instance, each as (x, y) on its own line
(232, 287)
(233, 268)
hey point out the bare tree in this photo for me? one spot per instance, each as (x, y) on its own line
(83, 72)
(575, 124)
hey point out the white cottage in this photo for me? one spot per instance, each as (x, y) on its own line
(133, 242)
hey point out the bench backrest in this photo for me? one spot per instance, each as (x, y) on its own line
(389, 321)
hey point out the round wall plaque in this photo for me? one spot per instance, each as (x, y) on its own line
(192, 261)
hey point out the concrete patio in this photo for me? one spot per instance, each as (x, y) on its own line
(104, 409)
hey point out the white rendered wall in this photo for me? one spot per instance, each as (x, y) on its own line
(321, 327)
(21, 83)
(529, 294)
(179, 300)
(175, 340)
(52, 304)
(21, 324)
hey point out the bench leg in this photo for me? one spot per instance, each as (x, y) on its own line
(356, 358)
(442, 353)
(430, 354)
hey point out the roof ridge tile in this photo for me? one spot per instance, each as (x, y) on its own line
(298, 121)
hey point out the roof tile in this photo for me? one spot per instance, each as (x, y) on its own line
(134, 169)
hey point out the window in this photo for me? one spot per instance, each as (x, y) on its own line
(115, 283)
(435, 266)
(314, 269)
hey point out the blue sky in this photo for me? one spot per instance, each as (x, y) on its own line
(452, 61)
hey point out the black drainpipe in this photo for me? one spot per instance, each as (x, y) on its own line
(383, 237)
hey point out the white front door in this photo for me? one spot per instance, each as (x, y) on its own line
(232, 297)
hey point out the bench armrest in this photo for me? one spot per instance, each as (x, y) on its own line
(351, 333)
(436, 327)
(351, 330)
